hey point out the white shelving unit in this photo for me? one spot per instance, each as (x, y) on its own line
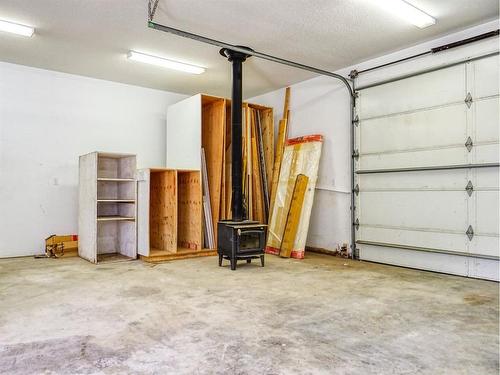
(107, 225)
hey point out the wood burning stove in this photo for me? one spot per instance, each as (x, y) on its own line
(238, 238)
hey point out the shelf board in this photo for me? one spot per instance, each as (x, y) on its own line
(115, 218)
(116, 179)
(116, 201)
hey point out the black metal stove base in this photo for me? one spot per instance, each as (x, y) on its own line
(240, 240)
(248, 258)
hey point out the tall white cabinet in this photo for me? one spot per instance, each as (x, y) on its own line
(107, 227)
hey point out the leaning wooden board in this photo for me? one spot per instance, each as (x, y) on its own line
(293, 217)
(301, 156)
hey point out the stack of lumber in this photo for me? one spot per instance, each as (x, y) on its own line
(295, 172)
(258, 159)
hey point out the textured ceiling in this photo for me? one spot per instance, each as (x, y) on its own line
(92, 37)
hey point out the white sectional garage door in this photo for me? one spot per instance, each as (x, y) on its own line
(414, 137)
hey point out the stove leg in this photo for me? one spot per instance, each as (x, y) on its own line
(262, 260)
(233, 264)
(249, 260)
(220, 260)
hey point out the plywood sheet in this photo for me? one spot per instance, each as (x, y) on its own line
(163, 210)
(189, 223)
(213, 128)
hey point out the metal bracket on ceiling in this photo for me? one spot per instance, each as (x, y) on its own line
(469, 144)
(468, 100)
(152, 6)
(469, 188)
(470, 233)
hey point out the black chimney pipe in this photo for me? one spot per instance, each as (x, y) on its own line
(237, 59)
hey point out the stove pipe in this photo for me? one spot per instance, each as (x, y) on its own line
(237, 59)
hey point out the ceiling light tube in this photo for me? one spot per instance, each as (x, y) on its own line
(165, 63)
(15, 28)
(407, 12)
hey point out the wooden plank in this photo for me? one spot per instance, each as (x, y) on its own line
(280, 146)
(189, 223)
(286, 105)
(163, 210)
(267, 125)
(257, 199)
(228, 163)
(293, 216)
(165, 256)
(207, 207)
(262, 166)
(213, 126)
(248, 151)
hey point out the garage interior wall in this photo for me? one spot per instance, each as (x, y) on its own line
(48, 119)
(320, 105)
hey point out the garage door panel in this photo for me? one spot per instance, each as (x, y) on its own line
(428, 90)
(423, 122)
(457, 265)
(486, 118)
(486, 153)
(487, 205)
(455, 179)
(420, 209)
(435, 240)
(422, 158)
(485, 245)
(484, 269)
(486, 178)
(486, 76)
(433, 128)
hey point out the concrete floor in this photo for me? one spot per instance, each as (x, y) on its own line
(323, 315)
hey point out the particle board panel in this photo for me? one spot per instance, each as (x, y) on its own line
(163, 210)
(183, 134)
(189, 224)
(213, 129)
(87, 212)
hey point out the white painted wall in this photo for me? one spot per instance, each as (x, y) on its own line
(321, 105)
(48, 119)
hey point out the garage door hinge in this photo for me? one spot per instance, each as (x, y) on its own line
(356, 120)
(355, 154)
(468, 100)
(469, 188)
(356, 224)
(470, 233)
(469, 144)
(356, 189)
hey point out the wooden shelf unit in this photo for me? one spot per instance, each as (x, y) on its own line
(107, 225)
(169, 212)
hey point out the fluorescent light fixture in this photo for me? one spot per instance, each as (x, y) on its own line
(15, 28)
(160, 61)
(407, 12)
